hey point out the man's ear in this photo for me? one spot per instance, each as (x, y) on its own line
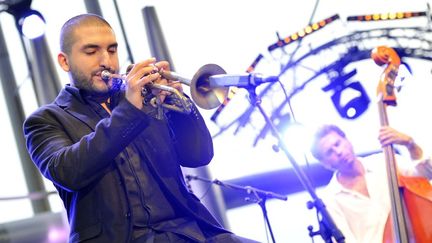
(63, 61)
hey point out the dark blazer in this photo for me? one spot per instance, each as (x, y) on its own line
(77, 150)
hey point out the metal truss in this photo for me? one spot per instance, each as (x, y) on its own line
(409, 42)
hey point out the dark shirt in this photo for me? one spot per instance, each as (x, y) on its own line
(150, 205)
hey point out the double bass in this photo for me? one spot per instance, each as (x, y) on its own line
(411, 197)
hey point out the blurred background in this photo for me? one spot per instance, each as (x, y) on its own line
(319, 50)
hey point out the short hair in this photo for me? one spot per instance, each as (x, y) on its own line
(67, 35)
(320, 133)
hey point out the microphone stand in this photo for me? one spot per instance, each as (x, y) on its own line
(328, 228)
(261, 196)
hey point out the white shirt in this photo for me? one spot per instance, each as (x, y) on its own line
(362, 219)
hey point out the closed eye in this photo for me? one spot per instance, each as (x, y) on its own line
(113, 49)
(90, 49)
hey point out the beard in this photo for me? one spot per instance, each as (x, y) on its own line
(88, 85)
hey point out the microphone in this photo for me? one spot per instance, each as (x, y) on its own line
(248, 189)
(241, 81)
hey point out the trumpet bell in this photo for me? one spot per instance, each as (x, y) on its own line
(203, 95)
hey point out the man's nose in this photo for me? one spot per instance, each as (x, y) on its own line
(337, 150)
(105, 59)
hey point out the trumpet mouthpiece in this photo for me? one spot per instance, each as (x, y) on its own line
(105, 75)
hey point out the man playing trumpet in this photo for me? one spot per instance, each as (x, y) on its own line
(115, 166)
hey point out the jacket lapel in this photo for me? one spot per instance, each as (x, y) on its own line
(75, 106)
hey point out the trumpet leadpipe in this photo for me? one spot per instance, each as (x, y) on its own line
(175, 76)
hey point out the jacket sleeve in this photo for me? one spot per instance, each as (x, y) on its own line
(70, 153)
(192, 139)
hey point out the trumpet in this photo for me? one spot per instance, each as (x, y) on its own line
(202, 94)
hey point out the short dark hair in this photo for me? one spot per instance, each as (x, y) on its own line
(67, 36)
(320, 133)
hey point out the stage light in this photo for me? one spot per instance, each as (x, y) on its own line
(303, 32)
(357, 105)
(386, 16)
(297, 137)
(30, 23)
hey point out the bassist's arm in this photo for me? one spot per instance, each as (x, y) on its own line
(389, 135)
